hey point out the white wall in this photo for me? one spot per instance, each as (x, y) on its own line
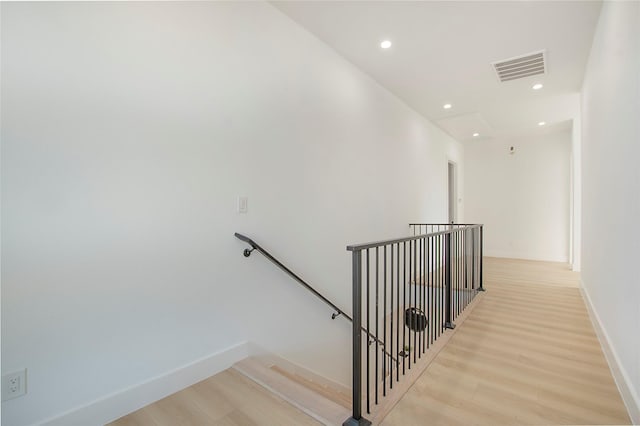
(522, 198)
(128, 131)
(611, 190)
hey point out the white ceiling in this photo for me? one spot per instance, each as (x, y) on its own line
(442, 53)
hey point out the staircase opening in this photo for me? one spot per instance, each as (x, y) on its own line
(407, 294)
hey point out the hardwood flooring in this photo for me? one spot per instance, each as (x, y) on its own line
(527, 354)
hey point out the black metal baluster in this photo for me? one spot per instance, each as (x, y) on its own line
(471, 265)
(452, 253)
(438, 271)
(463, 271)
(423, 289)
(427, 279)
(475, 264)
(441, 278)
(377, 334)
(391, 351)
(397, 352)
(423, 333)
(419, 294)
(452, 286)
(467, 267)
(432, 316)
(425, 294)
(469, 288)
(415, 291)
(410, 284)
(456, 285)
(472, 262)
(384, 324)
(472, 283)
(368, 339)
(478, 261)
(454, 272)
(404, 304)
(430, 291)
(481, 258)
(460, 272)
(447, 278)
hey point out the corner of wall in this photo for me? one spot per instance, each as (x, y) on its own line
(629, 395)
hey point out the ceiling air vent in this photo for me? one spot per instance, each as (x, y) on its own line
(521, 66)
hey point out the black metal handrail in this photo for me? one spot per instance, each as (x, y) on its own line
(356, 247)
(256, 246)
(338, 312)
(423, 282)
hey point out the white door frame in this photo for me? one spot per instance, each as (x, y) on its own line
(452, 192)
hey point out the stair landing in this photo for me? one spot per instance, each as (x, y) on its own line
(227, 399)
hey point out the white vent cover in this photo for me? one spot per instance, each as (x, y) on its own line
(521, 66)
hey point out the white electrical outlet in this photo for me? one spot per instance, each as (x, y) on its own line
(14, 384)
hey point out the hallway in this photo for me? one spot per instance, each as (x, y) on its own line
(527, 354)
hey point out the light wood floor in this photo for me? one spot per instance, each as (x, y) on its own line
(226, 399)
(527, 354)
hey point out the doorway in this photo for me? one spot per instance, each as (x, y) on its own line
(453, 196)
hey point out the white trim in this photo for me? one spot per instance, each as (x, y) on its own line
(455, 179)
(118, 404)
(522, 256)
(629, 394)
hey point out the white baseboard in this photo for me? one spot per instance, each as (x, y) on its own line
(523, 256)
(629, 394)
(116, 405)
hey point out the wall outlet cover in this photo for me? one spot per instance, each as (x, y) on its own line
(14, 384)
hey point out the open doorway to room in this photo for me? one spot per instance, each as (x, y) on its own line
(453, 196)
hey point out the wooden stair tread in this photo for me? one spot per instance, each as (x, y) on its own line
(298, 394)
(331, 394)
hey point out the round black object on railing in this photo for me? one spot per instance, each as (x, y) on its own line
(415, 319)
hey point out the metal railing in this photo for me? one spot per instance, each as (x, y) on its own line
(337, 311)
(407, 292)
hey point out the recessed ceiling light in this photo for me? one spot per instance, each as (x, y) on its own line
(537, 86)
(385, 44)
(446, 106)
(542, 123)
(475, 135)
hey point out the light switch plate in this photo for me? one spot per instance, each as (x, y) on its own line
(243, 204)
